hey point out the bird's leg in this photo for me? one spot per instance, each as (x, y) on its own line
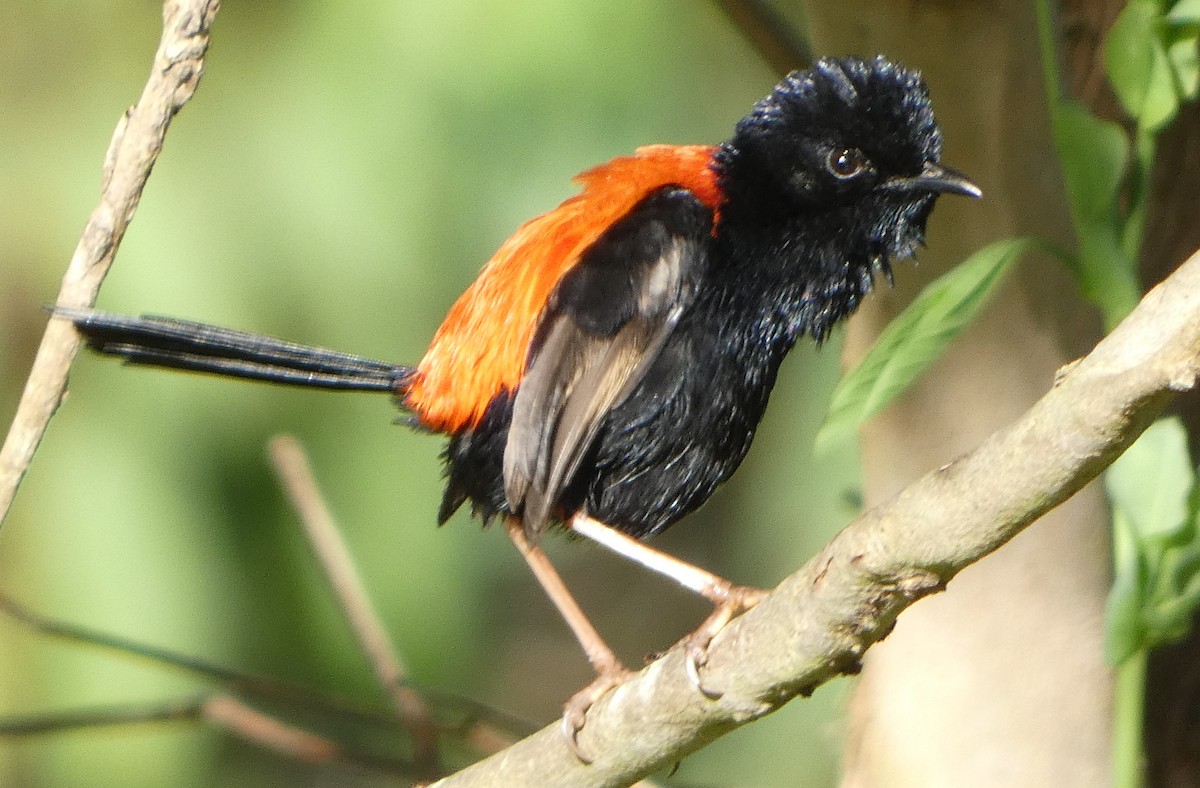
(729, 600)
(609, 670)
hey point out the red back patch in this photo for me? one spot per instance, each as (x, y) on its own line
(481, 347)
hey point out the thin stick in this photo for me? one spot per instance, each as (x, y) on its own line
(769, 32)
(503, 726)
(298, 481)
(231, 714)
(235, 717)
(236, 681)
(40, 724)
(136, 144)
(225, 712)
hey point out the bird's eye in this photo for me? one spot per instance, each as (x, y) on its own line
(845, 163)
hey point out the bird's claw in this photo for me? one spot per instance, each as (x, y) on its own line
(732, 602)
(576, 709)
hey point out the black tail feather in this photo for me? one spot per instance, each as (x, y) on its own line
(198, 347)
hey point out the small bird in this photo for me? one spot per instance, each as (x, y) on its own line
(609, 366)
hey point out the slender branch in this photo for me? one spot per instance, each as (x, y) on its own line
(770, 33)
(225, 712)
(502, 726)
(135, 146)
(477, 721)
(233, 716)
(262, 687)
(40, 724)
(334, 558)
(479, 733)
(819, 621)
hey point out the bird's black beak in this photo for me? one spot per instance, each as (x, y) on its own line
(937, 178)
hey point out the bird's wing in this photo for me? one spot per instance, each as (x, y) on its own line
(481, 349)
(604, 325)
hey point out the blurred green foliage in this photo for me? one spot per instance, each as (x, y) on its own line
(1157, 554)
(917, 337)
(1153, 66)
(344, 170)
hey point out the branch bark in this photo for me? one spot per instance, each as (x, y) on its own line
(135, 146)
(819, 621)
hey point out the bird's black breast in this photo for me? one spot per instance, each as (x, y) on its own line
(660, 453)
(687, 427)
(658, 456)
(641, 305)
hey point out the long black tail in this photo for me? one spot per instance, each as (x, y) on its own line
(198, 347)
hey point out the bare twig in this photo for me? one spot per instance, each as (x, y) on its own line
(226, 712)
(334, 558)
(262, 687)
(818, 623)
(40, 724)
(775, 39)
(136, 144)
(235, 717)
(483, 728)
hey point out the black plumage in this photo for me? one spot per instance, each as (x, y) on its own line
(655, 354)
(826, 182)
(667, 295)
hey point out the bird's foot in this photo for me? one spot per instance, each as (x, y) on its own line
(730, 601)
(576, 709)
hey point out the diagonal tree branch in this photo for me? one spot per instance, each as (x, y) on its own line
(237, 718)
(291, 464)
(252, 685)
(223, 711)
(103, 717)
(135, 146)
(780, 44)
(819, 621)
(483, 729)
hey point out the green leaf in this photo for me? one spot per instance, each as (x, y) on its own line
(1185, 12)
(1183, 571)
(1184, 55)
(1161, 103)
(1107, 276)
(1155, 502)
(1151, 483)
(1147, 80)
(1129, 53)
(917, 337)
(1094, 153)
(1124, 629)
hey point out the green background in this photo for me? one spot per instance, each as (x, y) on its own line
(343, 171)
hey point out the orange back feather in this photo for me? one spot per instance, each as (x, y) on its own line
(481, 347)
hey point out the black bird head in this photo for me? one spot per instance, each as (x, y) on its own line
(842, 161)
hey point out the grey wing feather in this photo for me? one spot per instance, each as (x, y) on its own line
(577, 377)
